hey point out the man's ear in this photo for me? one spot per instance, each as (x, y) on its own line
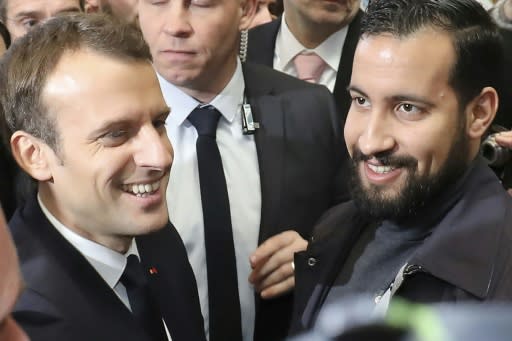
(249, 9)
(481, 112)
(32, 155)
(92, 6)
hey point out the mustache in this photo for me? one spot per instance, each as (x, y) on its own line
(386, 158)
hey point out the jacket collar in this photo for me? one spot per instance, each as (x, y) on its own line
(463, 249)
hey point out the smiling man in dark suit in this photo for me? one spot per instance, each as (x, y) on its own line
(243, 197)
(87, 119)
(320, 33)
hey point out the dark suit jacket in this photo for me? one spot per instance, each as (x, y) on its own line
(302, 159)
(467, 256)
(66, 299)
(261, 46)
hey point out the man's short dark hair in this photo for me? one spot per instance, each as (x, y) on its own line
(25, 67)
(475, 37)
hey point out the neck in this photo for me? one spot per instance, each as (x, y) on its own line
(208, 85)
(311, 34)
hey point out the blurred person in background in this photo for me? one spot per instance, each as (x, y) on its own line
(11, 286)
(313, 40)
(122, 9)
(263, 14)
(19, 16)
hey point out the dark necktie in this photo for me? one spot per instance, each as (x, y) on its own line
(143, 307)
(224, 302)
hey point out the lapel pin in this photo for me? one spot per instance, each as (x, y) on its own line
(153, 270)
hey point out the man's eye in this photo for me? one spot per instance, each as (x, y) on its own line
(409, 108)
(114, 138)
(116, 134)
(360, 101)
(201, 3)
(29, 22)
(159, 124)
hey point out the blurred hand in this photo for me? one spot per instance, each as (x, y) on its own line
(504, 139)
(272, 264)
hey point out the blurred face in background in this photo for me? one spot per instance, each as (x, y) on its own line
(22, 15)
(123, 9)
(313, 21)
(263, 14)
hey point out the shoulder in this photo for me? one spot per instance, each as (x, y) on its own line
(263, 77)
(267, 29)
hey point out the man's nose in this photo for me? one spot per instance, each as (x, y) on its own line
(377, 137)
(153, 150)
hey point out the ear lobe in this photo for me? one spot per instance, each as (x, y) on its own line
(482, 112)
(249, 8)
(31, 155)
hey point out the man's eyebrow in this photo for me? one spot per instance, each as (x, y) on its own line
(31, 14)
(69, 9)
(356, 89)
(412, 98)
(38, 14)
(162, 112)
(122, 122)
(397, 98)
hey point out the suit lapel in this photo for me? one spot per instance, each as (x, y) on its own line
(345, 67)
(172, 283)
(270, 144)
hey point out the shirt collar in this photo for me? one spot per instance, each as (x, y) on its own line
(227, 101)
(108, 263)
(329, 49)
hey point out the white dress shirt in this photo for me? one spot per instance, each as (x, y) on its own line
(287, 47)
(240, 164)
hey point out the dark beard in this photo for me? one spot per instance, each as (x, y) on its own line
(416, 192)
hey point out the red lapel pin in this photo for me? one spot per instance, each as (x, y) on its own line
(153, 270)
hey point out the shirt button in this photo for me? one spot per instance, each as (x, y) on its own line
(312, 261)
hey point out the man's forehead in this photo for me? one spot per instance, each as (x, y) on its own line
(53, 6)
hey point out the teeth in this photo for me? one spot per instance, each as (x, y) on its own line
(381, 169)
(142, 190)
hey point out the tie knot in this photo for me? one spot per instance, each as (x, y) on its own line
(205, 120)
(309, 66)
(133, 274)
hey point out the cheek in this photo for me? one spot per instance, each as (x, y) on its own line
(431, 151)
(352, 131)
